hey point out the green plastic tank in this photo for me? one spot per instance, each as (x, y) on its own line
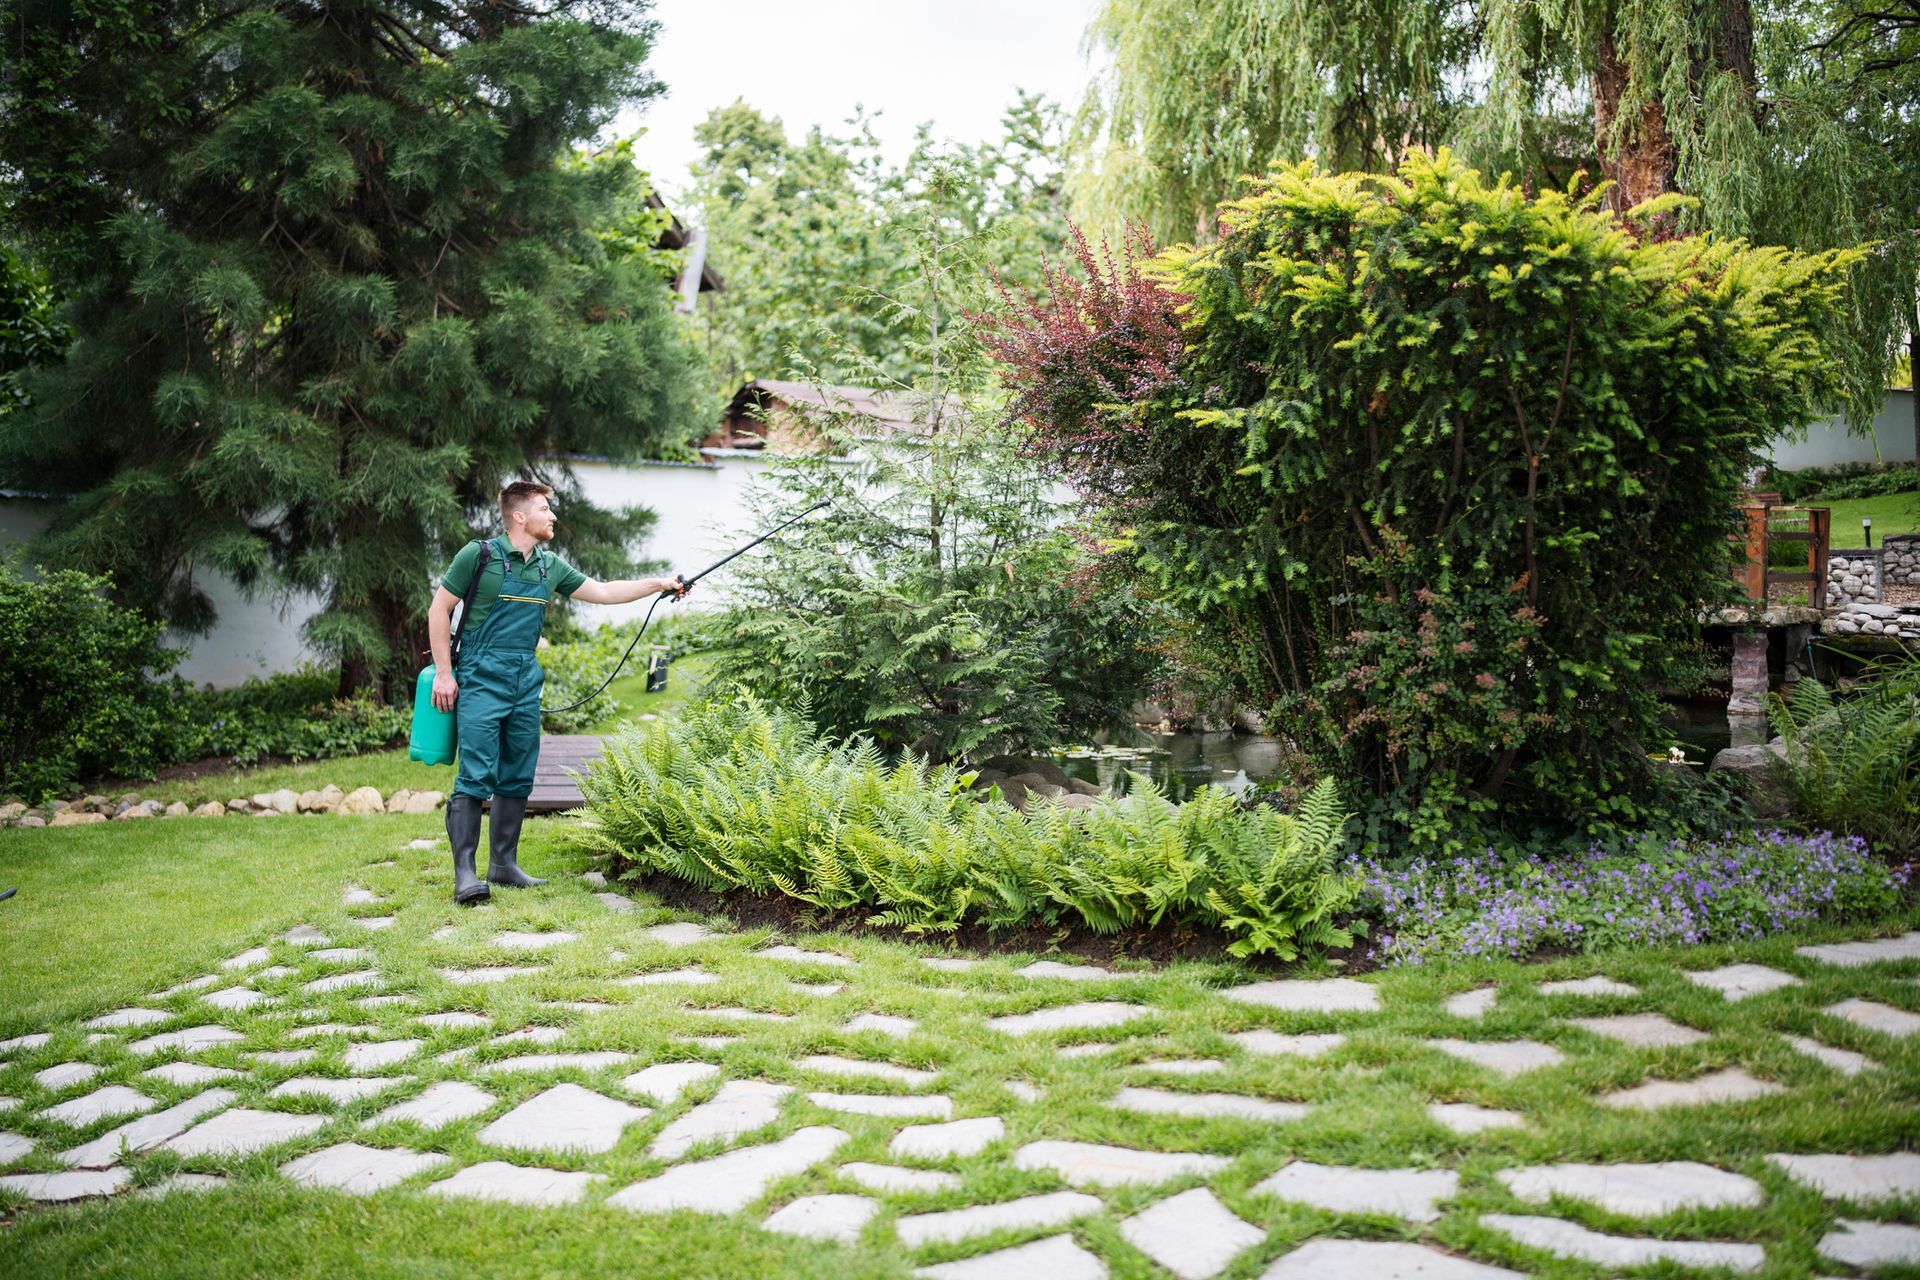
(432, 739)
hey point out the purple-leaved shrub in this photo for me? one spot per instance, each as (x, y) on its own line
(1649, 895)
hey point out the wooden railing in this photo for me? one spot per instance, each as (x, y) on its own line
(1768, 524)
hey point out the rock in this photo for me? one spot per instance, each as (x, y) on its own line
(131, 797)
(397, 802)
(133, 812)
(1014, 792)
(60, 806)
(178, 809)
(1045, 770)
(1081, 787)
(30, 821)
(13, 810)
(331, 796)
(363, 800)
(984, 778)
(423, 802)
(99, 804)
(1078, 803)
(309, 801)
(76, 818)
(211, 809)
(1761, 767)
(1038, 785)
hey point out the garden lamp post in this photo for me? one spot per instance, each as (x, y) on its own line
(1866, 530)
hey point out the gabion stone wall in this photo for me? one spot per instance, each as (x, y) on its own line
(1855, 577)
(1902, 561)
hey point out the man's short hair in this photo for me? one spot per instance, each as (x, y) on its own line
(517, 495)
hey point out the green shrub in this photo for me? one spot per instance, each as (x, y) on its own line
(1442, 470)
(294, 716)
(87, 690)
(1854, 763)
(733, 796)
(1813, 485)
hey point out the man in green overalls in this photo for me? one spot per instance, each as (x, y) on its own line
(497, 682)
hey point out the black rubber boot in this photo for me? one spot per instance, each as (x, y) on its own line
(503, 844)
(463, 832)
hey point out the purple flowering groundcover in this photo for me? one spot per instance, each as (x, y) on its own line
(1655, 894)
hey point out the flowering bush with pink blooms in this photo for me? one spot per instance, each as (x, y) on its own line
(1650, 895)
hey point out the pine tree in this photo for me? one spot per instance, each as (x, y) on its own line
(335, 274)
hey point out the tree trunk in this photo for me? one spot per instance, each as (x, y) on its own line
(1643, 163)
(1913, 374)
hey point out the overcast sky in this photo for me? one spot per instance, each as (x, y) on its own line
(811, 62)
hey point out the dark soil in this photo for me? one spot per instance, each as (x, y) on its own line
(1156, 946)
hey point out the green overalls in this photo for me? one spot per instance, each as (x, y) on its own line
(497, 712)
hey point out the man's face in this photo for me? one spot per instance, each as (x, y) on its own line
(539, 517)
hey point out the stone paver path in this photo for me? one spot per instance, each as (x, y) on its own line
(1156, 1121)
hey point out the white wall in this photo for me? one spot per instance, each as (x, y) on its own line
(1829, 443)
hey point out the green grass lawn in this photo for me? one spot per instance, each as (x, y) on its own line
(1891, 513)
(108, 914)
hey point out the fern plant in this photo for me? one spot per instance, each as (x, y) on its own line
(734, 796)
(1853, 764)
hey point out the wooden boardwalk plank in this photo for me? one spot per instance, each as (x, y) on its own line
(553, 790)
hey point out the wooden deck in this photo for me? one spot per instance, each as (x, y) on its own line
(553, 790)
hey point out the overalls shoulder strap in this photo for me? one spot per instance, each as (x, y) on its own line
(473, 586)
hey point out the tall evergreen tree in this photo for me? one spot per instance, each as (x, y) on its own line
(335, 274)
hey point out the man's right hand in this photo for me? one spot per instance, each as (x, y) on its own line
(444, 690)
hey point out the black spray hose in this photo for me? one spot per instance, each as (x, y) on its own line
(686, 584)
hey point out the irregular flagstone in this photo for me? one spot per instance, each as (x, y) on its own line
(242, 1131)
(1412, 1194)
(1859, 1244)
(283, 1057)
(1466, 1118)
(532, 1035)
(516, 940)
(932, 1106)
(1875, 1016)
(885, 1023)
(1378, 1260)
(618, 903)
(1851, 955)
(269, 973)
(1739, 981)
(191, 1073)
(341, 955)
(1471, 1004)
(442, 1104)
(1182, 1066)
(1055, 1258)
(817, 989)
(829, 1064)
(1732, 1085)
(1049, 1210)
(486, 975)
(739, 1108)
(129, 1017)
(33, 1041)
(344, 981)
(305, 935)
(944, 1141)
(65, 1075)
(681, 934)
(1569, 1240)
(1192, 1234)
(1069, 1017)
(321, 1029)
(795, 954)
(1326, 995)
(732, 1014)
(1205, 1105)
(828, 1217)
(1066, 972)
(712, 1042)
(594, 879)
(54, 1188)
(372, 1056)
(234, 998)
(359, 1170)
(191, 984)
(355, 896)
(101, 1104)
(1094, 1050)
(564, 1118)
(950, 964)
(455, 1018)
(181, 1182)
(671, 978)
(1090, 1164)
(247, 959)
(1274, 1044)
(13, 1146)
(1643, 1030)
(1858, 1178)
(147, 1132)
(1845, 1061)
(728, 1183)
(515, 1184)
(339, 1091)
(1508, 1058)
(557, 1062)
(664, 1082)
(1636, 1190)
(375, 923)
(6, 1103)
(1022, 1090)
(893, 1178)
(1598, 985)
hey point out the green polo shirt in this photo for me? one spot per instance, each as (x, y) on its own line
(561, 576)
